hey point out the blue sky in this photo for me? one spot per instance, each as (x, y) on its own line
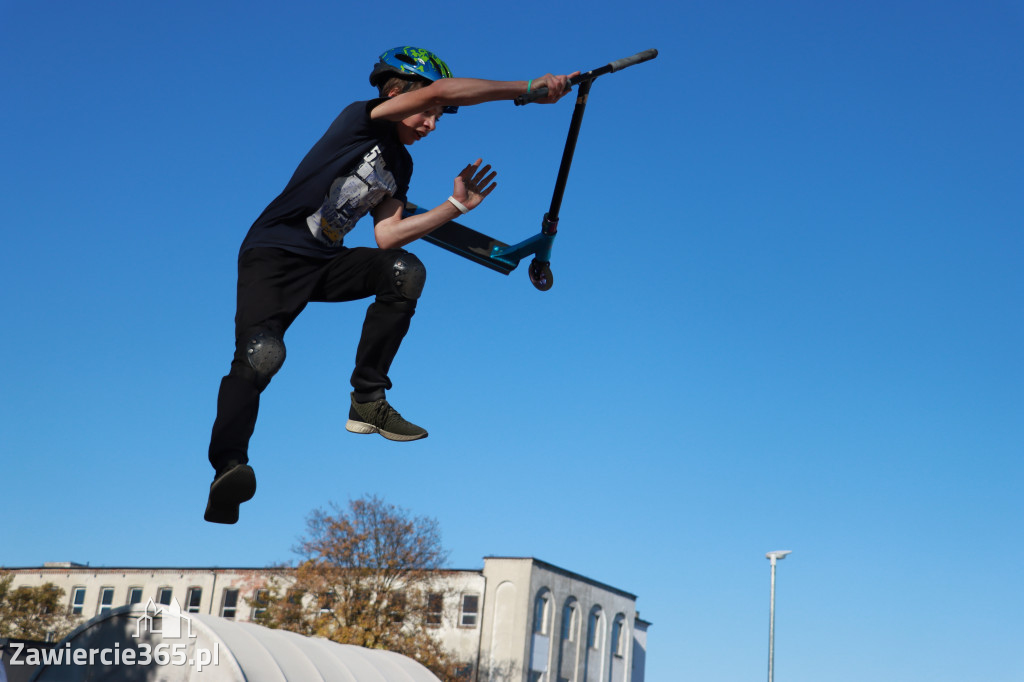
(787, 311)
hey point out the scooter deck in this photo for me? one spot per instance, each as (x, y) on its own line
(464, 241)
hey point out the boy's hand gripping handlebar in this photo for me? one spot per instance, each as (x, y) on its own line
(617, 65)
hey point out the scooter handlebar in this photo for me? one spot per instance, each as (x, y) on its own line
(639, 57)
(617, 65)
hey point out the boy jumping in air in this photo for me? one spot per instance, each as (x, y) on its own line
(294, 253)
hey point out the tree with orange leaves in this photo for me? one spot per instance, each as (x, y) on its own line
(369, 576)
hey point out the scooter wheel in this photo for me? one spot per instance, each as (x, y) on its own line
(540, 275)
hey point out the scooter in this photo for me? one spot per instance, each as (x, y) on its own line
(505, 258)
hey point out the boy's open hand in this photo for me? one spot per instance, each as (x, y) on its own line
(473, 184)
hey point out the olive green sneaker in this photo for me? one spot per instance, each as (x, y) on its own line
(379, 417)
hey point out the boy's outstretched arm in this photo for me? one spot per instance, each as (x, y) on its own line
(391, 230)
(456, 92)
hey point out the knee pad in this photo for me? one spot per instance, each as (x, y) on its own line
(265, 352)
(408, 276)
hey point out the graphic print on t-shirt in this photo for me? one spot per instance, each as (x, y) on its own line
(351, 197)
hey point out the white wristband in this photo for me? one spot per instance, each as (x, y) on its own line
(458, 204)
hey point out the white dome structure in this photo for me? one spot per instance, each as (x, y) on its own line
(156, 643)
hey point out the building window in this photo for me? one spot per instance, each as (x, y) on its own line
(397, 606)
(259, 602)
(106, 599)
(164, 596)
(619, 637)
(542, 613)
(570, 621)
(594, 629)
(327, 601)
(435, 605)
(77, 601)
(470, 609)
(195, 597)
(230, 604)
(134, 595)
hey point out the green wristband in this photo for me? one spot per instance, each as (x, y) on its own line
(528, 84)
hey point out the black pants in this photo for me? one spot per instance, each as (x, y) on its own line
(274, 286)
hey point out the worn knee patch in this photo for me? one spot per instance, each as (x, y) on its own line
(265, 352)
(409, 275)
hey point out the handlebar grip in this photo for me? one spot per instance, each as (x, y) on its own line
(531, 96)
(639, 57)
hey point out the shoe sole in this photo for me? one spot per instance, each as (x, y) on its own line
(228, 492)
(353, 426)
(226, 515)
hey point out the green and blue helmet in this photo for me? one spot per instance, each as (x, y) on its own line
(410, 61)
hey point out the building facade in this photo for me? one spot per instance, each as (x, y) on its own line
(516, 620)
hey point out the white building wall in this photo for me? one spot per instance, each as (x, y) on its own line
(639, 661)
(212, 582)
(511, 639)
(460, 632)
(531, 640)
(504, 636)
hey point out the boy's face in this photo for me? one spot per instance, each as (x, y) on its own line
(418, 126)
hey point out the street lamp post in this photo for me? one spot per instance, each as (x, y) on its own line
(773, 557)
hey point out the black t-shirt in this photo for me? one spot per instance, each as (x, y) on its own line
(352, 168)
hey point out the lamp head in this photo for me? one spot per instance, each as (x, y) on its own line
(779, 554)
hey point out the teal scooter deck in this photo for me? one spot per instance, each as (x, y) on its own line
(466, 242)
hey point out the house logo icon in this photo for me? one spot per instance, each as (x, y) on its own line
(165, 620)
